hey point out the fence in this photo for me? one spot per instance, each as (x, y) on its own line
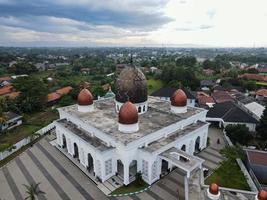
(25, 141)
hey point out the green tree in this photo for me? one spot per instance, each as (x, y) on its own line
(33, 95)
(233, 152)
(262, 127)
(66, 100)
(22, 68)
(33, 191)
(2, 109)
(238, 133)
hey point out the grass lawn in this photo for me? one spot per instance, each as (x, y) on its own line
(261, 83)
(31, 124)
(228, 175)
(154, 85)
(132, 187)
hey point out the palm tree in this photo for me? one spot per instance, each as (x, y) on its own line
(33, 191)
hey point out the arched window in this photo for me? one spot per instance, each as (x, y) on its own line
(144, 108)
(139, 109)
(183, 148)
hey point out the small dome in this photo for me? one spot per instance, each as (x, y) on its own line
(262, 195)
(128, 114)
(214, 189)
(85, 97)
(131, 85)
(179, 98)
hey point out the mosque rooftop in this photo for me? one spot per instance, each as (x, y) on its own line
(105, 118)
(86, 136)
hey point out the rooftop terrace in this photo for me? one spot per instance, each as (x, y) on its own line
(105, 118)
(86, 136)
(154, 146)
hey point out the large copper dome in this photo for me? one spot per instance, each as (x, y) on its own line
(262, 195)
(179, 98)
(85, 97)
(214, 189)
(131, 85)
(128, 113)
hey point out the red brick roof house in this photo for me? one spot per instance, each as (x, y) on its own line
(54, 97)
(204, 99)
(257, 162)
(221, 96)
(6, 90)
(261, 94)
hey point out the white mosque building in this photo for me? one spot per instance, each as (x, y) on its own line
(133, 132)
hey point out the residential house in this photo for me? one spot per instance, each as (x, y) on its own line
(229, 112)
(204, 100)
(166, 92)
(257, 163)
(12, 120)
(54, 97)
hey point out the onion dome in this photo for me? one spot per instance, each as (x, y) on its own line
(131, 85)
(262, 195)
(128, 114)
(179, 98)
(214, 189)
(85, 98)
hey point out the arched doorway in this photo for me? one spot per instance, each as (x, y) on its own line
(90, 163)
(164, 168)
(197, 145)
(64, 141)
(76, 151)
(183, 148)
(120, 169)
(133, 168)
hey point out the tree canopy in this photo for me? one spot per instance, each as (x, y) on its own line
(262, 127)
(33, 94)
(238, 133)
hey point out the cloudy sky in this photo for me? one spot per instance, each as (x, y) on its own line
(208, 23)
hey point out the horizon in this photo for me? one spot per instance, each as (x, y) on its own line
(143, 23)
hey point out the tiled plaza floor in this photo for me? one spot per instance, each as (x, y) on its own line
(60, 179)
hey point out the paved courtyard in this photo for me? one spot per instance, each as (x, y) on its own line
(211, 154)
(60, 179)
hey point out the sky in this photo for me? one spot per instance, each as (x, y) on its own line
(175, 23)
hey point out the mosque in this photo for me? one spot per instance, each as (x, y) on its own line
(133, 132)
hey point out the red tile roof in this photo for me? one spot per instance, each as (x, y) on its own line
(5, 78)
(262, 70)
(257, 157)
(64, 90)
(204, 98)
(53, 96)
(221, 96)
(261, 92)
(6, 90)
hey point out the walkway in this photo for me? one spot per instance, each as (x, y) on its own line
(60, 179)
(211, 154)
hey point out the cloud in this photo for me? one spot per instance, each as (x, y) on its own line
(130, 14)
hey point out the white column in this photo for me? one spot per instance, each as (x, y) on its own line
(186, 191)
(126, 165)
